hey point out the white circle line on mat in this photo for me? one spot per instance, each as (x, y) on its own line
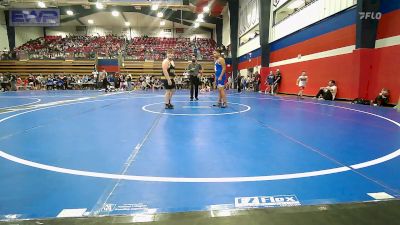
(144, 108)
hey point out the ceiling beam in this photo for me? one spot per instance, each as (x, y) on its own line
(76, 17)
(173, 16)
(123, 16)
(79, 12)
(80, 22)
(169, 14)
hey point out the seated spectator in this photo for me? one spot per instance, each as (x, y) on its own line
(50, 84)
(106, 84)
(145, 86)
(328, 92)
(383, 98)
(129, 82)
(60, 83)
(117, 81)
(157, 84)
(38, 82)
(5, 83)
(31, 81)
(205, 89)
(123, 83)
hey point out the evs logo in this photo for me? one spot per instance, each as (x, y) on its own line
(35, 17)
(267, 201)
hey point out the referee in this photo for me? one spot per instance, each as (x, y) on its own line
(194, 69)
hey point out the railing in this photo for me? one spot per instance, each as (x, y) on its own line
(24, 56)
(295, 12)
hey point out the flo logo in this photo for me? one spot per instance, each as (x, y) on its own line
(276, 2)
(267, 201)
(370, 15)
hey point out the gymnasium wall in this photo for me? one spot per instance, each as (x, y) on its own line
(385, 59)
(326, 50)
(3, 32)
(315, 12)
(63, 31)
(319, 49)
(24, 34)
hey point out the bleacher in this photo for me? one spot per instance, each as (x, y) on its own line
(140, 56)
(24, 68)
(137, 68)
(81, 67)
(139, 48)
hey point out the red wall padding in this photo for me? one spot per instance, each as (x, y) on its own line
(386, 72)
(332, 40)
(250, 63)
(362, 73)
(320, 71)
(389, 25)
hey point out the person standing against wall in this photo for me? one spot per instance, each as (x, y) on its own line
(278, 79)
(13, 82)
(269, 82)
(106, 83)
(102, 74)
(229, 84)
(194, 69)
(129, 82)
(257, 81)
(95, 75)
(239, 82)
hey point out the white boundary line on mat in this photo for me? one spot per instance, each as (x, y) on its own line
(200, 179)
(26, 104)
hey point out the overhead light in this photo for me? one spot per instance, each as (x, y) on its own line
(41, 4)
(160, 14)
(196, 25)
(70, 13)
(162, 23)
(154, 7)
(200, 16)
(127, 24)
(115, 13)
(90, 21)
(99, 5)
(296, 4)
(206, 9)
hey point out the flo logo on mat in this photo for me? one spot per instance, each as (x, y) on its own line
(267, 201)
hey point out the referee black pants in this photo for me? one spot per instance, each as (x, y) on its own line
(194, 86)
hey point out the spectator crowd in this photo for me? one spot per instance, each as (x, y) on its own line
(111, 46)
